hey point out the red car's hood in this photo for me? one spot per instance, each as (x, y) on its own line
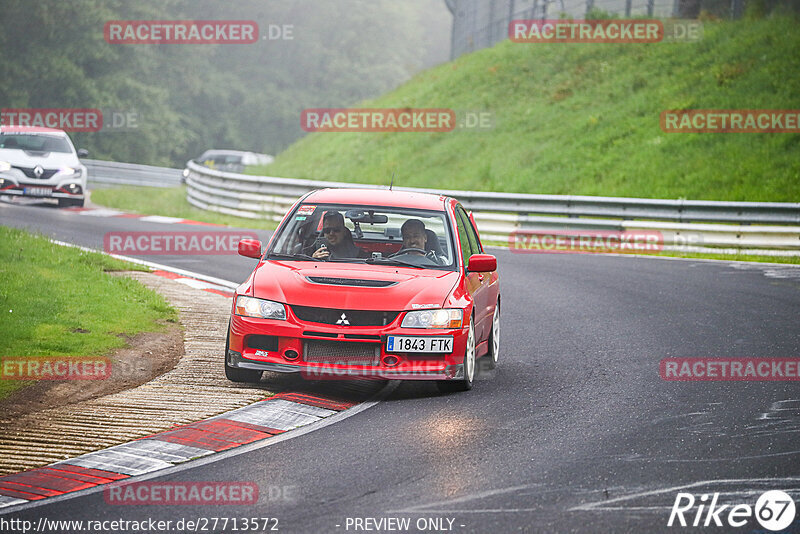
(287, 281)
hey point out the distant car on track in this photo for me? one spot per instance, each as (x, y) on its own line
(230, 160)
(368, 282)
(41, 163)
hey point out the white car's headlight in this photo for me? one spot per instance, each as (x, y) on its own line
(443, 318)
(5, 166)
(70, 171)
(260, 308)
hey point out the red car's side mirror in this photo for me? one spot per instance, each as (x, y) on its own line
(250, 248)
(482, 263)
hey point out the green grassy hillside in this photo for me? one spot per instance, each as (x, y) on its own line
(584, 119)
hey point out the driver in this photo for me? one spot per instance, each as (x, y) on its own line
(414, 236)
(339, 241)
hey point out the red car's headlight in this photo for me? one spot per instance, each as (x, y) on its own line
(442, 318)
(259, 308)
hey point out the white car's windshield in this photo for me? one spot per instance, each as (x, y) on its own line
(34, 142)
(366, 234)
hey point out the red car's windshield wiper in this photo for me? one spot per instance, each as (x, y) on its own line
(392, 261)
(279, 256)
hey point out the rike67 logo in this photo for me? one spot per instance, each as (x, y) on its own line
(774, 510)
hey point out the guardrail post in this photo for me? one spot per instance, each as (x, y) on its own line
(736, 9)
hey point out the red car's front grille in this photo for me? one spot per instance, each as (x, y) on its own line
(344, 317)
(341, 352)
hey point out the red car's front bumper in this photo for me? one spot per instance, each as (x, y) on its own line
(324, 351)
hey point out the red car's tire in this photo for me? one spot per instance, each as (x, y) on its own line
(238, 375)
(465, 383)
(494, 339)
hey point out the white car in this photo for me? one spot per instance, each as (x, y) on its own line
(42, 163)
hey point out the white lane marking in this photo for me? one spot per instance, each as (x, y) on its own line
(772, 271)
(200, 284)
(322, 423)
(699, 460)
(10, 501)
(471, 497)
(161, 219)
(276, 414)
(117, 461)
(602, 505)
(157, 266)
(101, 212)
(440, 507)
(168, 451)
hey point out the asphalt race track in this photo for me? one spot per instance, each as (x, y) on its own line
(574, 432)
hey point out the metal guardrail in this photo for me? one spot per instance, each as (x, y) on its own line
(691, 225)
(110, 172)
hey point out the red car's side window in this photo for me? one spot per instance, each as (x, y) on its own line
(463, 238)
(474, 242)
(471, 243)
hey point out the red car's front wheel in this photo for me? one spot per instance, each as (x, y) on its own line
(238, 375)
(465, 382)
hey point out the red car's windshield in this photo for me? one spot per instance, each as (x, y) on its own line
(366, 234)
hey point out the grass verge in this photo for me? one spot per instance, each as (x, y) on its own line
(169, 202)
(59, 301)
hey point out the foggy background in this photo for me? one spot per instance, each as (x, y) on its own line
(188, 98)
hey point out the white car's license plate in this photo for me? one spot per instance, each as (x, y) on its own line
(419, 344)
(38, 191)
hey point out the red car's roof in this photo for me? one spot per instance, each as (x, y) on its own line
(378, 197)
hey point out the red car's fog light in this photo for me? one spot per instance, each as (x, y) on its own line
(291, 354)
(390, 361)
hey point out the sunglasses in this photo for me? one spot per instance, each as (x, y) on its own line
(330, 229)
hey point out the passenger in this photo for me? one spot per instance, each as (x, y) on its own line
(339, 241)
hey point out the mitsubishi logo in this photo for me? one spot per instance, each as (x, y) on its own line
(343, 320)
(38, 171)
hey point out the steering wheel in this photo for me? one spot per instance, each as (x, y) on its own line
(409, 249)
(432, 255)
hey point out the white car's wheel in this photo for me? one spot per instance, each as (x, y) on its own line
(466, 381)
